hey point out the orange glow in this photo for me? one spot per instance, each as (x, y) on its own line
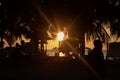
(61, 54)
(60, 36)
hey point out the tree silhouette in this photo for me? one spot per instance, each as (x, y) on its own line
(10, 25)
(3, 21)
(108, 11)
(81, 18)
(22, 18)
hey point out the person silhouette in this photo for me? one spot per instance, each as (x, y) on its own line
(97, 63)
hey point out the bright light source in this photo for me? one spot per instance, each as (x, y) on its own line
(61, 54)
(60, 36)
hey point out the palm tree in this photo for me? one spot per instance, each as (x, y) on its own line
(94, 30)
(81, 19)
(12, 24)
(109, 12)
(85, 22)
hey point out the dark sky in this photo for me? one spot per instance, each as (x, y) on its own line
(63, 10)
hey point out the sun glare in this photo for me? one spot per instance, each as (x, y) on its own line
(60, 36)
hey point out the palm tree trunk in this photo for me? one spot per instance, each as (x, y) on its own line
(82, 43)
(10, 41)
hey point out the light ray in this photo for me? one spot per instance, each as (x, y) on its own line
(84, 61)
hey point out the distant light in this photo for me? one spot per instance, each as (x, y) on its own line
(60, 36)
(71, 53)
(50, 53)
(61, 54)
(0, 3)
(73, 57)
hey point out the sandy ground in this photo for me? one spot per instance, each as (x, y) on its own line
(52, 69)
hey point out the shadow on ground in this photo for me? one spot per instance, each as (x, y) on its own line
(51, 69)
